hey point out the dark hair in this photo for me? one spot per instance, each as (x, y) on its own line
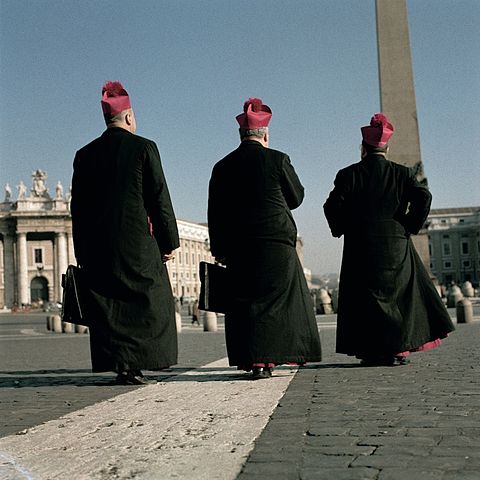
(371, 149)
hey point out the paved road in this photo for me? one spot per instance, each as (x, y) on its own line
(333, 420)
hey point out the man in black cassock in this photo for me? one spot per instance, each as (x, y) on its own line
(124, 231)
(387, 304)
(270, 318)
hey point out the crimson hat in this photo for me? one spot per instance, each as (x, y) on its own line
(255, 114)
(378, 132)
(115, 98)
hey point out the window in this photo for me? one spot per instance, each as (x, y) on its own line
(430, 249)
(446, 248)
(465, 248)
(38, 255)
(447, 264)
(466, 264)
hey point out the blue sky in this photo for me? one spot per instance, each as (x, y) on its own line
(188, 65)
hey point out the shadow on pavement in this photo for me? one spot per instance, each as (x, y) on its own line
(85, 377)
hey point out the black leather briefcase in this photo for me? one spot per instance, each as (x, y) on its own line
(214, 287)
(74, 296)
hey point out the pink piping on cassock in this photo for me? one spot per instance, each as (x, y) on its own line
(150, 226)
(422, 348)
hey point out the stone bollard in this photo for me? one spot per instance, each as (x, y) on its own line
(178, 321)
(467, 289)
(68, 327)
(209, 320)
(464, 311)
(326, 301)
(335, 300)
(81, 329)
(454, 295)
(56, 324)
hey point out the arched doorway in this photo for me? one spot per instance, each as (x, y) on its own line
(39, 289)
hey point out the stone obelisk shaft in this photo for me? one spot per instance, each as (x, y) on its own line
(397, 92)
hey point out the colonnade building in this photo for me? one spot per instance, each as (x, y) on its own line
(454, 244)
(36, 246)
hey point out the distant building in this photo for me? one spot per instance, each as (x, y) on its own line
(36, 246)
(454, 244)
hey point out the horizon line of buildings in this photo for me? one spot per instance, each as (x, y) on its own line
(36, 246)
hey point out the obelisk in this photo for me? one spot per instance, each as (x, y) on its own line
(397, 93)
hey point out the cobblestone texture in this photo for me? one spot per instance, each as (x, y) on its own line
(341, 421)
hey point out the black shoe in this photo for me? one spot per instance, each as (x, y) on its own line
(133, 378)
(401, 360)
(260, 372)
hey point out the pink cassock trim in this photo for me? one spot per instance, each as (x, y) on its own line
(422, 348)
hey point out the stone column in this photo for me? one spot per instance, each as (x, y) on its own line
(397, 91)
(397, 94)
(9, 270)
(62, 261)
(23, 290)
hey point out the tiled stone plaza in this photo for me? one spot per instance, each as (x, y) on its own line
(332, 420)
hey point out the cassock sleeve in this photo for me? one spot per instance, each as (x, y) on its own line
(336, 205)
(418, 198)
(157, 201)
(78, 222)
(216, 220)
(292, 189)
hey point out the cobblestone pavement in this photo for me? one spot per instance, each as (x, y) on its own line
(336, 421)
(44, 375)
(340, 421)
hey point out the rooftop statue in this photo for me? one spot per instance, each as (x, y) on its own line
(39, 184)
(22, 191)
(8, 193)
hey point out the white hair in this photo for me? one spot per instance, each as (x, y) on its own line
(253, 132)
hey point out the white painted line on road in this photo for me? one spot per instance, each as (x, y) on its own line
(10, 470)
(199, 425)
(30, 331)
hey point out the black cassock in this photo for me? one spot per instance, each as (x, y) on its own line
(387, 303)
(118, 185)
(270, 318)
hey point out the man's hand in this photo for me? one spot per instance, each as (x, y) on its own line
(168, 256)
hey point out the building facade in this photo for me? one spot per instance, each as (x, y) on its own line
(36, 246)
(454, 244)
